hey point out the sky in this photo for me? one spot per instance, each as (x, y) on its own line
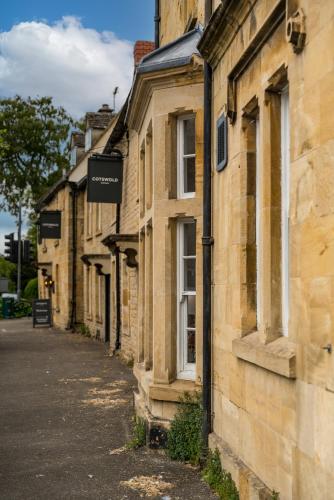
(75, 51)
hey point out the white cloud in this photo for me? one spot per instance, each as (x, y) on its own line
(77, 66)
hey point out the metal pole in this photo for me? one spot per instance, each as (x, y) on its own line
(19, 252)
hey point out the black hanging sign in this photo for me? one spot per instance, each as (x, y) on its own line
(105, 179)
(41, 312)
(50, 224)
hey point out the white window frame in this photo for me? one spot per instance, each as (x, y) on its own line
(88, 139)
(180, 156)
(185, 370)
(73, 156)
(285, 207)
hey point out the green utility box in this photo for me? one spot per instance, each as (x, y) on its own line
(7, 307)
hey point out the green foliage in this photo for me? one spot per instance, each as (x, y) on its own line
(6, 271)
(33, 135)
(20, 309)
(275, 495)
(84, 330)
(218, 479)
(28, 272)
(139, 434)
(184, 439)
(31, 290)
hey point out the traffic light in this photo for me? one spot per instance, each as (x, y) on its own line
(15, 251)
(9, 247)
(28, 252)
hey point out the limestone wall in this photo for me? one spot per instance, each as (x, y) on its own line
(176, 15)
(128, 276)
(156, 111)
(55, 257)
(273, 396)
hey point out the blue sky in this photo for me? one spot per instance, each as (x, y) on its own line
(129, 19)
(75, 51)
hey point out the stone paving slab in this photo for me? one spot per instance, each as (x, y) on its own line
(65, 416)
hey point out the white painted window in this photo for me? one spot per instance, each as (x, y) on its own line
(88, 139)
(259, 261)
(73, 157)
(186, 156)
(186, 296)
(285, 205)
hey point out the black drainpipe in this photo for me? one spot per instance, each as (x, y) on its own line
(207, 241)
(157, 24)
(118, 285)
(74, 255)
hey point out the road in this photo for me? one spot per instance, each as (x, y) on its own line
(65, 416)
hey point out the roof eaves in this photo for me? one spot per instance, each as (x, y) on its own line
(172, 63)
(47, 197)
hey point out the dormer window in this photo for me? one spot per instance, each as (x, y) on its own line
(73, 156)
(88, 139)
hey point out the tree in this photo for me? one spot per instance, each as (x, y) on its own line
(6, 271)
(33, 134)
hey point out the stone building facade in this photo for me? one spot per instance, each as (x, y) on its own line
(165, 113)
(61, 259)
(272, 148)
(272, 235)
(54, 257)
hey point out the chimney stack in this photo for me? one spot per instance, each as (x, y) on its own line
(141, 49)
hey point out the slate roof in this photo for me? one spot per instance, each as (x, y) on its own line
(177, 53)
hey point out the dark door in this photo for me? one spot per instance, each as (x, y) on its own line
(107, 308)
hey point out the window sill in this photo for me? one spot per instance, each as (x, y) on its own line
(279, 356)
(173, 391)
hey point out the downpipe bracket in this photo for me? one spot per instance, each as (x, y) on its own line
(207, 240)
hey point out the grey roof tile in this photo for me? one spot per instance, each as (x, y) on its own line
(177, 53)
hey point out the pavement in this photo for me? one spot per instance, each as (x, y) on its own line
(66, 411)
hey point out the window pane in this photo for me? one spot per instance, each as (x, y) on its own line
(191, 304)
(189, 174)
(189, 136)
(190, 238)
(189, 275)
(191, 349)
